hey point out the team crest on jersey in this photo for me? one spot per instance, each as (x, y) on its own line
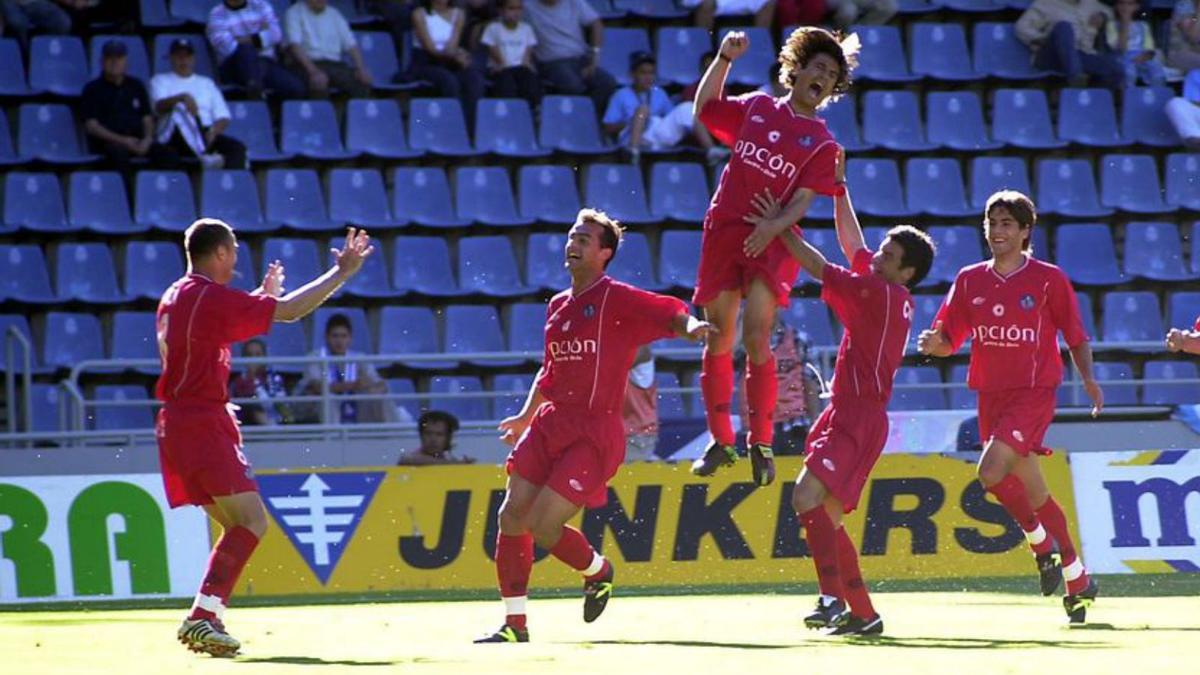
(806, 141)
(1027, 302)
(589, 311)
(773, 136)
(998, 310)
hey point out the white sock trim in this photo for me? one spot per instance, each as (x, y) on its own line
(1036, 536)
(596, 566)
(1074, 570)
(515, 605)
(209, 603)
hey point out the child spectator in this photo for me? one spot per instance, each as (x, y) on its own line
(641, 115)
(510, 42)
(1133, 42)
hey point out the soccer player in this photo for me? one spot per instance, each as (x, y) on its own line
(569, 437)
(199, 445)
(1186, 341)
(1013, 307)
(872, 300)
(781, 146)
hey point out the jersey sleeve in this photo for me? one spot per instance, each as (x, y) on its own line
(839, 290)
(723, 116)
(1196, 326)
(819, 174)
(862, 261)
(1064, 309)
(648, 316)
(233, 315)
(956, 322)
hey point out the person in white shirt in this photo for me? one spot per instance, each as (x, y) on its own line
(440, 59)
(510, 42)
(319, 38)
(192, 114)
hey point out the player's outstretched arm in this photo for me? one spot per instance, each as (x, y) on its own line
(347, 262)
(845, 219)
(712, 85)
(1081, 354)
(1186, 341)
(688, 326)
(767, 228)
(768, 208)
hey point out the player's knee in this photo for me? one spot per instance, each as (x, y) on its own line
(758, 342)
(510, 519)
(990, 472)
(255, 520)
(545, 533)
(803, 500)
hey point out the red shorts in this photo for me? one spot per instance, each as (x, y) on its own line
(200, 449)
(843, 446)
(571, 452)
(1017, 417)
(725, 267)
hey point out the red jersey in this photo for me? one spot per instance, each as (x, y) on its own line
(592, 339)
(197, 320)
(774, 148)
(877, 316)
(1014, 322)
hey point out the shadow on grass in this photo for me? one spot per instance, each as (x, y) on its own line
(917, 642)
(1143, 627)
(314, 661)
(685, 643)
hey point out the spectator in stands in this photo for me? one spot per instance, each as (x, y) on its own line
(800, 12)
(1183, 52)
(261, 382)
(480, 14)
(847, 13)
(437, 431)
(192, 115)
(641, 115)
(640, 410)
(1064, 36)
(1133, 42)
(319, 36)
(713, 151)
(799, 397)
(345, 378)
(510, 42)
(775, 87)
(706, 11)
(397, 14)
(1184, 111)
(246, 37)
(439, 57)
(563, 56)
(22, 18)
(117, 115)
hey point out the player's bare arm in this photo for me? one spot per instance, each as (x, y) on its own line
(691, 328)
(1184, 341)
(766, 229)
(845, 219)
(511, 428)
(348, 260)
(1081, 354)
(809, 257)
(712, 85)
(933, 342)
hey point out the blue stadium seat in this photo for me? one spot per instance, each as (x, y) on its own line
(437, 125)
(961, 398)
(164, 200)
(955, 121)
(374, 127)
(992, 174)
(957, 247)
(751, 69)
(811, 315)
(411, 330)
(288, 339)
(1086, 253)
(484, 195)
(488, 266)
(882, 57)
(33, 201)
(518, 385)
(825, 241)
(310, 129)
(1116, 394)
(504, 126)
(679, 50)
(1087, 311)
(1068, 187)
(935, 187)
(670, 403)
(548, 193)
(679, 191)
(916, 7)
(1183, 181)
(679, 258)
(151, 267)
(114, 418)
(295, 199)
(476, 329)
(619, 44)
(617, 189)
(244, 276)
(1144, 117)
(605, 9)
(467, 409)
(1088, 117)
(162, 57)
(154, 14)
(358, 197)
(250, 123)
(300, 259)
(1131, 316)
(363, 340)
(372, 280)
(48, 132)
(12, 69)
(408, 409)
(651, 9)
(569, 124)
(135, 336)
(925, 308)
(939, 51)
(821, 208)
(137, 60)
(876, 187)
(379, 56)
(634, 264)
(842, 119)
(70, 338)
(1183, 309)
(526, 327)
(904, 398)
(544, 262)
(422, 265)
(422, 195)
(1171, 394)
(97, 201)
(85, 272)
(974, 6)
(57, 65)
(1021, 117)
(232, 196)
(26, 277)
(191, 11)
(1130, 183)
(893, 119)
(8, 151)
(21, 323)
(45, 408)
(998, 53)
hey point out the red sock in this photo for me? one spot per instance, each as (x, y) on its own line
(225, 565)
(514, 563)
(822, 544)
(1056, 522)
(716, 383)
(573, 549)
(762, 390)
(851, 576)
(1013, 497)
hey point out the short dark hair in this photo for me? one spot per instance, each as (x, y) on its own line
(806, 42)
(919, 250)
(339, 320)
(611, 231)
(1019, 206)
(205, 236)
(254, 341)
(433, 416)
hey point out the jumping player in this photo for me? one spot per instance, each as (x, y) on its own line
(569, 438)
(199, 445)
(1013, 307)
(873, 302)
(782, 147)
